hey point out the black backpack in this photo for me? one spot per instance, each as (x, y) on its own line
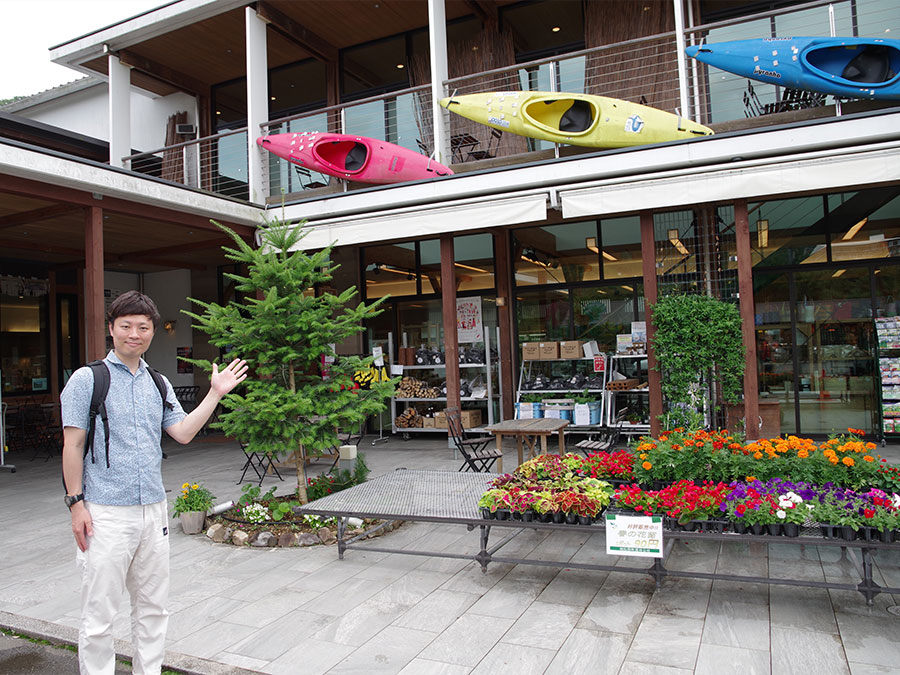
(98, 403)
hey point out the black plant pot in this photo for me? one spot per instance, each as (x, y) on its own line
(757, 528)
(717, 526)
(528, 516)
(887, 536)
(485, 513)
(502, 514)
(739, 526)
(544, 517)
(559, 517)
(571, 519)
(515, 515)
(774, 529)
(689, 526)
(585, 520)
(791, 530)
(828, 531)
(847, 533)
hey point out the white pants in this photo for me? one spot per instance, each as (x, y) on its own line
(129, 549)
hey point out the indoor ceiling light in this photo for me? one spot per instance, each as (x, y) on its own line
(838, 273)
(400, 66)
(609, 256)
(856, 228)
(469, 267)
(555, 29)
(676, 242)
(628, 288)
(762, 233)
(271, 98)
(590, 243)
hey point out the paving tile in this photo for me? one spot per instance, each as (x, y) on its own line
(590, 652)
(471, 579)
(388, 652)
(681, 597)
(619, 605)
(212, 639)
(272, 641)
(326, 577)
(718, 660)
(573, 587)
(805, 609)
(467, 640)
(340, 599)
(419, 666)
(868, 669)
(748, 558)
(873, 639)
(508, 599)
(201, 614)
(543, 625)
(518, 659)
(667, 641)
(316, 656)
(737, 617)
(693, 556)
(241, 661)
(795, 651)
(638, 668)
(437, 610)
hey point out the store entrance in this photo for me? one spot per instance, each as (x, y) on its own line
(816, 346)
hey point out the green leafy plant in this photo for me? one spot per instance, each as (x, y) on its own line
(290, 404)
(696, 336)
(193, 497)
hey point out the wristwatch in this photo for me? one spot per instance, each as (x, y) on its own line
(72, 500)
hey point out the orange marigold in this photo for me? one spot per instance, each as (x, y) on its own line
(802, 454)
(750, 479)
(646, 466)
(848, 461)
(757, 455)
(870, 446)
(869, 458)
(833, 459)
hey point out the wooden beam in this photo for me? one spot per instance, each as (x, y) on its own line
(41, 246)
(177, 248)
(177, 264)
(162, 73)
(448, 312)
(35, 215)
(93, 284)
(316, 45)
(107, 258)
(748, 319)
(486, 12)
(648, 265)
(507, 349)
(53, 326)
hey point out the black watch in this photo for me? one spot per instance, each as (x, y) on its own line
(72, 500)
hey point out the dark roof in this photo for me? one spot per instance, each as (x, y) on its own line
(43, 135)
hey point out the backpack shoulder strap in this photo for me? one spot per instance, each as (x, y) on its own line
(160, 383)
(98, 407)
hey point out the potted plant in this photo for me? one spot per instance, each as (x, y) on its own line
(191, 507)
(491, 501)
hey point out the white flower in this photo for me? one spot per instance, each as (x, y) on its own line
(794, 497)
(896, 500)
(785, 503)
(780, 513)
(256, 513)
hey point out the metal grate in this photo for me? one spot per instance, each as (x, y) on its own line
(413, 495)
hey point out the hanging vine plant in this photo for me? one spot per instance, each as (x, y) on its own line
(695, 335)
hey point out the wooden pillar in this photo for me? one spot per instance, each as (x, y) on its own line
(53, 326)
(505, 350)
(648, 263)
(748, 318)
(95, 330)
(333, 95)
(448, 311)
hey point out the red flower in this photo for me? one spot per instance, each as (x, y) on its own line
(869, 513)
(741, 508)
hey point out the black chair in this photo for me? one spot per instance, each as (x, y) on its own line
(260, 463)
(187, 396)
(474, 450)
(606, 440)
(423, 148)
(309, 184)
(491, 150)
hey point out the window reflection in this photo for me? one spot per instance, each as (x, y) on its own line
(556, 254)
(390, 270)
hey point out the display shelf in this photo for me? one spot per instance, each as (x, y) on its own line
(887, 355)
(443, 398)
(617, 364)
(575, 367)
(433, 366)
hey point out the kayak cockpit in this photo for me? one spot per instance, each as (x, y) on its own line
(862, 64)
(348, 156)
(563, 115)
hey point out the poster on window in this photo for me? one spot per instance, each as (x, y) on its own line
(469, 326)
(187, 353)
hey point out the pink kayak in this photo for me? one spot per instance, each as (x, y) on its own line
(357, 158)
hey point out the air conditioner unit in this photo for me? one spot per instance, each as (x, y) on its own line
(185, 129)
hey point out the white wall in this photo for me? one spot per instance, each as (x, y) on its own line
(86, 112)
(169, 291)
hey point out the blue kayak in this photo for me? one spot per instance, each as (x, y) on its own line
(845, 67)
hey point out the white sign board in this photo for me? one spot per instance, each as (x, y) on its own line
(378, 353)
(640, 536)
(469, 325)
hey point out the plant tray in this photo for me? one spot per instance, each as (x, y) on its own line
(616, 385)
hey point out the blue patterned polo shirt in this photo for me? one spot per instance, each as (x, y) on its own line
(136, 419)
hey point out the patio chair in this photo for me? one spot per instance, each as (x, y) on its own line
(309, 184)
(474, 450)
(605, 440)
(350, 437)
(492, 146)
(260, 463)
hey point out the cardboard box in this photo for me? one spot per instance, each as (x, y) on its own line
(428, 423)
(570, 349)
(469, 418)
(590, 348)
(531, 351)
(440, 420)
(549, 350)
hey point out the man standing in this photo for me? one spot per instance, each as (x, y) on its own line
(115, 492)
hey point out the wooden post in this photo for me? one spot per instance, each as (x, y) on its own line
(448, 311)
(53, 326)
(505, 350)
(95, 319)
(648, 264)
(748, 318)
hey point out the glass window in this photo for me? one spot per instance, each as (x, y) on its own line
(864, 224)
(24, 339)
(602, 313)
(297, 87)
(430, 265)
(621, 254)
(556, 254)
(390, 270)
(887, 290)
(474, 260)
(877, 18)
(544, 28)
(788, 231)
(377, 66)
(230, 104)
(544, 315)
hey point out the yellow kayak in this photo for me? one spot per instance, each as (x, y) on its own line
(574, 119)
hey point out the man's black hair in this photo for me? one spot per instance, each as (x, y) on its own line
(133, 303)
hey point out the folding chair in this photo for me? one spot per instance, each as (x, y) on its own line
(606, 439)
(310, 184)
(259, 464)
(491, 150)
(474, 450)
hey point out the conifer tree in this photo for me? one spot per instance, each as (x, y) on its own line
(283, 329)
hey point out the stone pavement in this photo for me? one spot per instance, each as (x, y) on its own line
(236, 610)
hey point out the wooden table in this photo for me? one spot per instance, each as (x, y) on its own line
(528, 431)
(459, 142)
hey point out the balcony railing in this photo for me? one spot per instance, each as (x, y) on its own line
(642, 70)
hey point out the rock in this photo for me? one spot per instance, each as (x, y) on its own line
(288, 539)
(326, 536)
(240, 538)
(308, 539)
(263, 539)
(218, 533)
(354, 522)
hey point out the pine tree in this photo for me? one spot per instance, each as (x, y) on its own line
(283, 329)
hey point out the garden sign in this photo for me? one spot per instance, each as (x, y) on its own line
(640, 536)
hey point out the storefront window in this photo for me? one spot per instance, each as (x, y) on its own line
(544, 315)
(865, 224)
(621, 253)
(602, 313)
(24, 339)
(296, 87)
(775, 346)
(788, 231)
(390, 270)
(556, 254)
(430, 261)
(377, 66)
(474, 261)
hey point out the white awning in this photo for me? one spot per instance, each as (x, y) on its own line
(841, 169)
(424, 221)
